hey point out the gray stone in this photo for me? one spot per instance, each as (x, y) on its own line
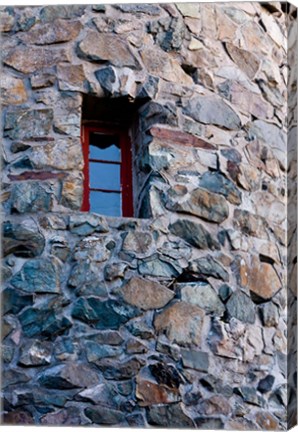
(250, 396)
(216, 405)
(67, 376)
(245, 60)
(108, 337)
(104, 415)
(212, 110)
(194, 234)
(101, 394)
(182, 323)
(7, 353)
(22, 239)
(156, 267)
(93, 248)
(250, 224)
(225, 292)
(170, 416)
(14, 376)
(114, 271)
(99, 8)
(202, 295)
(54, 12)
(148, 9)
(266, 384)
(19, 146)
(146, 294)
(197, 360)
(87, 224)
(106, 47)
(116, 370)
(69, 416)
(207, 266)
(36, 353)
(199, 202)
(269, 314)
(28, 124)
(42, 79)
(217, 183)
(95, 352)
(138, 242)
(240, 306)
(109, 81)
(40, 275)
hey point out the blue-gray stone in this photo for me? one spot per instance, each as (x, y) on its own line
(40, 275)
(218, 183)
(69, 375)
(28, 124)
(14, 301)
(103, 415)
(95, 351)
(169, 416)
(52, 12)
(31, 197)
(154, 266)
(43, 322)
(241, 306)
(207, 266)
(148, 9)
(22, 239)
(194, 234)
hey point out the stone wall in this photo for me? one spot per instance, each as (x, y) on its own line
(177, 317)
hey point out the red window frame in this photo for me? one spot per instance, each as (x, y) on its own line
(125, 166)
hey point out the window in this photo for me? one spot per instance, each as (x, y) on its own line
(107, 171)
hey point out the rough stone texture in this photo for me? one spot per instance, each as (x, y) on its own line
(180, 316)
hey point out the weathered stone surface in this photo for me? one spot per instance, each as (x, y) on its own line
(197, 360)
(250, 224)
(209, 267)
(153, 266)
(14, 376)
(240, 306)
(87, 224)
(216, 405)
(52, 33)
(18, 417)
(171, 416)
(13, 301)
(211, 110)
(42, 79)
(104, 415)
(149, 9)
(36, 353)
(189, 9)
(95, 352)
(22, 239)
(149, 392)
(182, 323)
(249, 395)
(13, 91)
(194, 234)
(40, 275)
(53, 12)
(266, 384)
(199, 202)
(116, 370)
(158, 63)
(94, 248)
(245, 60)
(28, 124)
(217, 183)
(114, 271)
(72, 191)
(69, 375)
(30, 59)
(105, 47)
(263, 281)
(269, 314)
(203, 295)
(139, 242)
(267, 421)
(7, 21)
(146, 294)
(180, 138)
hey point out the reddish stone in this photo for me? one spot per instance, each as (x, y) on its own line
(178, 137)
(266, 421)
(32, 175)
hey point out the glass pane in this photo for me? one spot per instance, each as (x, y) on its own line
(108, 204)
(104, 176)
(104, 147)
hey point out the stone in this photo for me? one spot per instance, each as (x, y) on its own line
(154, 112)
(86, 224)
(106, 47)
(266, 384)
(13, 91)
(28, 59)
(250, 396)
(117, 370)
(52, 33)
(203, 295)
(197, 360)
(42, 79)
(216, 405)
(269, 314)
(69, 416)
(135, 347)
(208, 267)
(166, 374)
(95, 352)
(146, 294)
(266, 421)
(170, 416)
(248, 177)
(7, 21)
(18, 417)
(19, 146)
(67, 376)
(104, 415)
(109, 80)
(263, 281)
(202, 203)
(149, 392)
(269, 207)
(72, 191)
(240, 306)
(141, 328)
(217, 183)
(138, 242)
(14, 376)
(225, 292)
(108, 337)
(212, 110)
(28, 124)
(160, 64)
(93, 248)
(250, 224)
(71, 78)
(101, 394)
(191, 10)
(22, 239)
(53, 12)
(40, 275)
(153, 266)
(114, 271)
(13, 301)
(194, 234)
(148, 9)
(245, 60)
(212, 423)
(31, 197)
(182, 323)
(36, 353)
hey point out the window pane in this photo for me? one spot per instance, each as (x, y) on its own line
(104, 176)
(108, 204)
(104, 147)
